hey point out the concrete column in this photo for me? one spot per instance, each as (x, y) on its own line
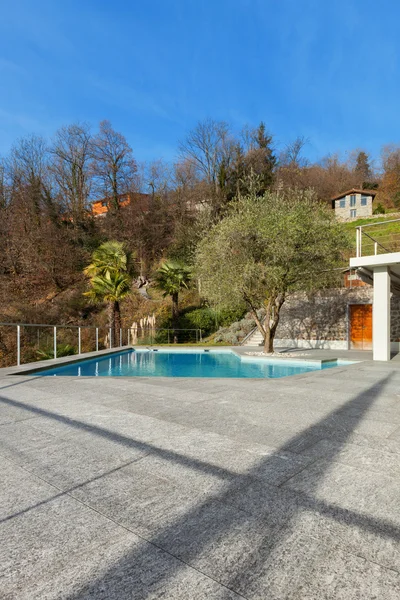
(381, 314)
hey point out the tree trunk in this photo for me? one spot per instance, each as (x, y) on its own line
(175, 314)
(253, 311)
(114, 321)
(175, 307)
(273, 308)
(117, 323)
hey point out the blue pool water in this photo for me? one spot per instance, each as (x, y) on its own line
(184, 363)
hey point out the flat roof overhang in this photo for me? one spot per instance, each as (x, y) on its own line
(391, 260)
(366, 264)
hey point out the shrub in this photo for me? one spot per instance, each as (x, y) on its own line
(201, 318)
(62, 350)
(231, 338)
(226, 316)
(237, 331)
(379, 210)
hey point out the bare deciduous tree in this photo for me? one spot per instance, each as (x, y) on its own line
(292, 154)
(207, 147)
(70, 167)
(114, 167)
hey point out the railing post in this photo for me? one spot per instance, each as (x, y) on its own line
(97, 339)
(18, 345)
(79, 340)
(357, 242)
(120, 338)
(55, 342)
(376, 248)
(110, 335)
(129, 337)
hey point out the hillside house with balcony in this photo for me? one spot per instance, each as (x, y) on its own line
(353, 204)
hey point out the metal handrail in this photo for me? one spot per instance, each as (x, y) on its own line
(379, 223)
(375, 242)
(112, 340)
(360, 233)
(52, 325)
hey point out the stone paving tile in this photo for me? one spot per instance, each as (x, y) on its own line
(222, 452)
(395, 436)
(39, 544)
(11, 414)
(18, 440)
(376, 495)
(70, 551)
(143, 500)
(63, 463)
(19, 489)
(382, 444)
(260, 561)
(361, 457)
(374, 539)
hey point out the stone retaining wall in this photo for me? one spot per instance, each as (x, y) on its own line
(323, 319)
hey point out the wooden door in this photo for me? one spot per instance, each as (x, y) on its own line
(361, 326)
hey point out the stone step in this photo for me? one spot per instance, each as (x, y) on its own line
(255, 339)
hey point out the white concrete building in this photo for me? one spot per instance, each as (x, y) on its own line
(383, 270)
(353, 204)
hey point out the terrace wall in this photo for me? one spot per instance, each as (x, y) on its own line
(322, 320)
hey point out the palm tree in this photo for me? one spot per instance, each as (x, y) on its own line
(112, 288)
(109, 280)
(107, 258)
(171, 278)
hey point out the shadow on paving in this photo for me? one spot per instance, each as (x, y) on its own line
(200, 536)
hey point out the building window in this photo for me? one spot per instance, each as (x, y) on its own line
(352, 200)
(364, 200)
(104, 203)
(342, 203)
(353, 213)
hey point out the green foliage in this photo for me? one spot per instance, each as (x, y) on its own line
(396, 199)
(111, 287)
(362, 168)
(201, 318)
(110, 257)
(275, 244)
(188, 235)
(236, 331)
(62, 350)
(379, 210)
(171, 278)
(227, 316)
(192, 318)
(370, 185)
(268, 247)
(263, 160)
(109, 279)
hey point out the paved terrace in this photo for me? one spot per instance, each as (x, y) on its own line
(117, 488)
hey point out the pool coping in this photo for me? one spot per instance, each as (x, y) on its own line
(44, 365)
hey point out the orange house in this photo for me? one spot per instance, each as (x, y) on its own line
(101, 207)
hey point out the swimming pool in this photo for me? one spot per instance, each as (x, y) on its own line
(186, 363)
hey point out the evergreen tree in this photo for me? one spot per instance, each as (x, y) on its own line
(363, 168)
(261, 159)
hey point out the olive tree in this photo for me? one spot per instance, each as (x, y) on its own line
(267, 248)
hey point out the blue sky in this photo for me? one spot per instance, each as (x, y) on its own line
(327, 70)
